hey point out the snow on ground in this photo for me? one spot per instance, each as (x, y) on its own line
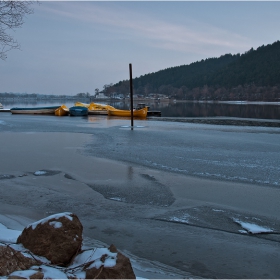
(8, 235)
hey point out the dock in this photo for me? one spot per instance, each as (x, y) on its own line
(154, 114)
(149, 113)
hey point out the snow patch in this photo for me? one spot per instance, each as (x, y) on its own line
(8, 235)
(184, 219)
(218, 210)
(94, 256)
(55, 224)
(40, 172)
(25, 274)
(252, 228)
(166, 167)
(50, 272)
(116, 198)
(55, 216)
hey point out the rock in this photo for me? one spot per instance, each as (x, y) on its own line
(121, 270)
(57, 237)
(12, 260)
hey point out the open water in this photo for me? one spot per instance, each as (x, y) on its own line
(256, 110)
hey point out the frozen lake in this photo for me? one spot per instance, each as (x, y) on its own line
(232, 153)
(174, 192)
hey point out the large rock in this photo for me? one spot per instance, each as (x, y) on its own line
(57, 237)
(12, 260)
(121, 269)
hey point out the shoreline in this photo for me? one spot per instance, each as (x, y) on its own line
(218, 120)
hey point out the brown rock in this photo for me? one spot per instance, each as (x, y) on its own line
(12, 260)
(122, 269)
(57, 237)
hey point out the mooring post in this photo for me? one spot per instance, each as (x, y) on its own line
(131, 95)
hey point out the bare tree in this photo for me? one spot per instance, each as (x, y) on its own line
(12, 14)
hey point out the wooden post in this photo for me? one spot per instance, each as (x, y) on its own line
(131, 95)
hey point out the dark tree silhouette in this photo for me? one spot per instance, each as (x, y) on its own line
(12, 14)
(254, 75)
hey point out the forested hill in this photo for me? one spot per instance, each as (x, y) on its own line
(260, 67)
(196, 74)
(256, 71)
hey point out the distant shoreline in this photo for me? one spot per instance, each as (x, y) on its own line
(89, 100)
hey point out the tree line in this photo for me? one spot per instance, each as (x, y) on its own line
(254, 75)
(11, 95)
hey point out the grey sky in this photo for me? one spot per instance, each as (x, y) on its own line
(71, 47)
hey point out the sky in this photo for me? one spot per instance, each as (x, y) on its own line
(68, 47)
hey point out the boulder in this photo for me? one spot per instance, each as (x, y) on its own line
(121, 270)
(12, 260)
(57, 237)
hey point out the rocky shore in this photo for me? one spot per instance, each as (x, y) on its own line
(52, 248)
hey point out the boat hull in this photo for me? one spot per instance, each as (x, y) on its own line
(97, 112)
(80, 104)
(141, 113)
(78, 111)
(62, 111)
(36, 110)
(94, 108)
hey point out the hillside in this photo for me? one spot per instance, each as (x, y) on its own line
(254, 75)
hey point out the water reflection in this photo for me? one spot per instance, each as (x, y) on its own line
(93, 118)
(203, 109)
(195, 109)
(130, 173)
(178, 109)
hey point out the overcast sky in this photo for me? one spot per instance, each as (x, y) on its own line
(72, 47)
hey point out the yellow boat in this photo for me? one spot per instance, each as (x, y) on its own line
(141, 113)
(62, 111)
(95, 108)
(80, 104)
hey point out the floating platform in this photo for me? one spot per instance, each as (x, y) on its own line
(149, 113)
(154, 113)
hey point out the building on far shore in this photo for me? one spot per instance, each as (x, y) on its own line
(101, 95)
